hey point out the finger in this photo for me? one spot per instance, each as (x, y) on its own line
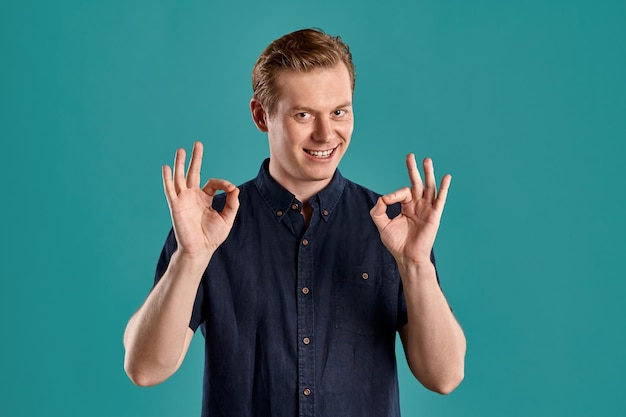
(430, 189)
(215, 184)
(179, 170)
(414, 176)
(403, 195)
(440, 201)
(168, 184)
(232, 205)
(379, 214)
(193, 172)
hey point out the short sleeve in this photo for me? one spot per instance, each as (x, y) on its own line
(168, 250)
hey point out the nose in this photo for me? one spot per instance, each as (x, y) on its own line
(323, 130)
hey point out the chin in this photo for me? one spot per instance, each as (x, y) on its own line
(322, 174)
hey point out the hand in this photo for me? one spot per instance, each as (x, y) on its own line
(198, 227)
(410, 235)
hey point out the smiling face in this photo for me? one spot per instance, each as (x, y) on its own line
(310, 129)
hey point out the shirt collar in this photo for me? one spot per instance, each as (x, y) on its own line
(280, 200)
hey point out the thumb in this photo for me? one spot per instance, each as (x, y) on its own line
(232, 205)
(379, 214)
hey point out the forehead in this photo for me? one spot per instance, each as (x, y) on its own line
(318, 88)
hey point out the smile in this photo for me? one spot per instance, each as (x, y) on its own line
(321, 154)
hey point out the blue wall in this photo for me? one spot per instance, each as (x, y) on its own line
(523, 102)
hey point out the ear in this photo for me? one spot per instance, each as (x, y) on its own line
(259, 115)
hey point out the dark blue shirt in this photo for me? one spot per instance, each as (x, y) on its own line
(299, 321)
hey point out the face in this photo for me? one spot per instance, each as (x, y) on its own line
(310, 129)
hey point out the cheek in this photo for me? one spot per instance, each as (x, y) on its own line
(297, 133)
(346, 131)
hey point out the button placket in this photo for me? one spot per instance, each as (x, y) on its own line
(306, 351)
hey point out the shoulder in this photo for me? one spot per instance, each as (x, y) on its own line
(353, 187)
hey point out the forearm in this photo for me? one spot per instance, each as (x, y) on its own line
(155, 337)
(433, 340)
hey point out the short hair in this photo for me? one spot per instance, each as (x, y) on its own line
(302, 50)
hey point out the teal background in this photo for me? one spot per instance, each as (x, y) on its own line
(523, 102)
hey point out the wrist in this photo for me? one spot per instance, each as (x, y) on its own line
(417, 271)
(190, 264)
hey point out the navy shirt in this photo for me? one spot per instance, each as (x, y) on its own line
(299, 321)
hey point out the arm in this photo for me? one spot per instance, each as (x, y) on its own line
(158, 335)
(433, 341)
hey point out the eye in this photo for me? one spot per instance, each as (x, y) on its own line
(339, 113)
(303, 115)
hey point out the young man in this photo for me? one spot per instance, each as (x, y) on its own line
(299, 278)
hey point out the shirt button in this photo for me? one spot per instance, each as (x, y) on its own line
(295, 206)
(305, 242)
(306, 392)
(306, 340)
(305, 290)
(279, 213)
(326, 212)
(364, 275)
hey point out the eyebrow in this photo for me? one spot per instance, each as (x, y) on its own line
(311, 110)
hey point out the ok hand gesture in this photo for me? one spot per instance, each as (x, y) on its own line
(410, 236)
(198, 227)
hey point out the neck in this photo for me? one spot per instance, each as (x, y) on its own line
(303, 190)
(304, 194)
(307, 212)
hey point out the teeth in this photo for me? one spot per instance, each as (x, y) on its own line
(321, 154)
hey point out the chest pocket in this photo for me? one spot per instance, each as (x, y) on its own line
(366, 299)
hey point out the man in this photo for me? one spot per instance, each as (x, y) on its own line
(299, 278)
